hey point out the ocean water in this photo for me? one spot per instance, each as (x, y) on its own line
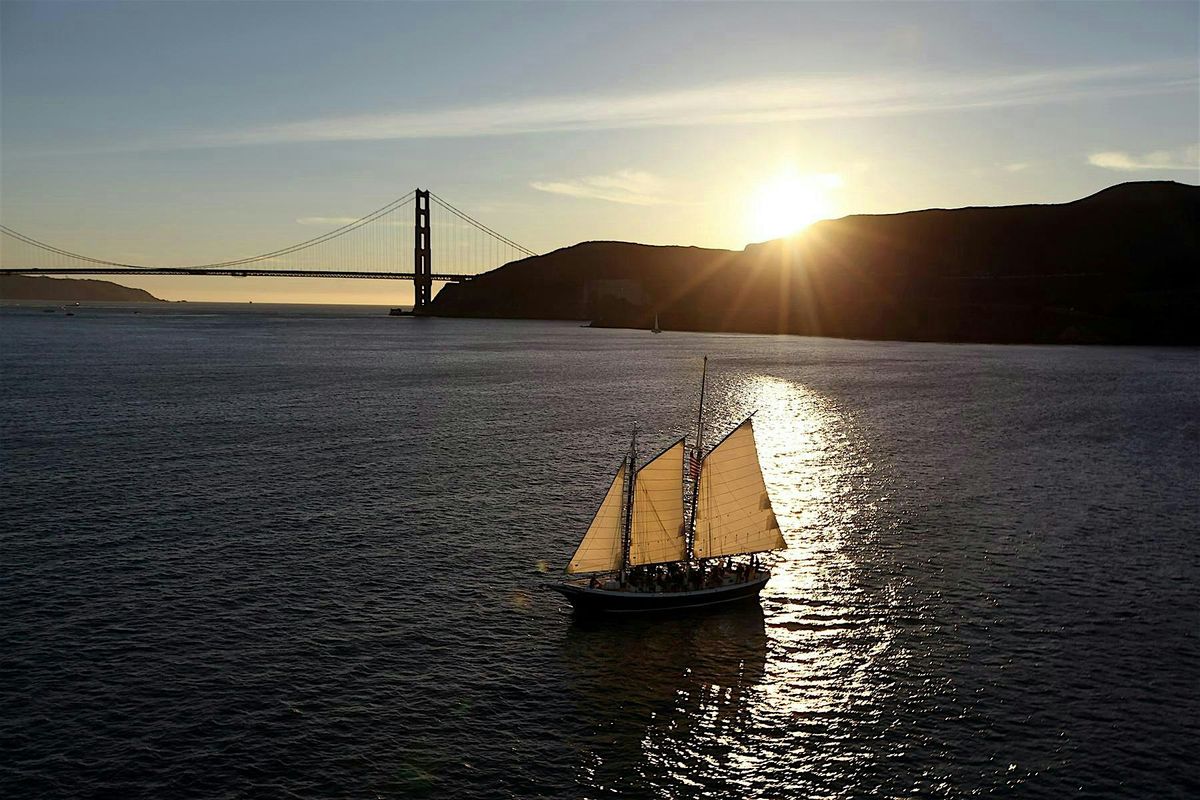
(252, 551)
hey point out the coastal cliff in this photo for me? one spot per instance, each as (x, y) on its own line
(1116, 267)
(70, 290)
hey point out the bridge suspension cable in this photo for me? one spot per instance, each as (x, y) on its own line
(379, 244)
(52, 249)
(472, 221)
(327, 236)
(316, 240)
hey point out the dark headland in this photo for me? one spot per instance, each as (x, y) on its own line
(69, 290)
(1117, 267)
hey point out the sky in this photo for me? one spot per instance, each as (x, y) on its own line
(182, 133)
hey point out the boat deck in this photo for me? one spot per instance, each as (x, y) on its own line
(585, 597)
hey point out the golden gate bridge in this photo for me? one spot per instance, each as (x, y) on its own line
(394, 242)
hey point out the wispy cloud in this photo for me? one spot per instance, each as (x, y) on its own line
(1183, 158)
(337, 222)
(771, 100)
(1019, 166)
(624, 186)
(326, 221)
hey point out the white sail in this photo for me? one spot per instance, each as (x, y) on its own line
(656, 533)
(600, 550)
(733, 510)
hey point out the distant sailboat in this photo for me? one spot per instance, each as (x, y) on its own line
(662, 540)
(656, 329)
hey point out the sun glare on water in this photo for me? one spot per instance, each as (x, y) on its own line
(789, 203)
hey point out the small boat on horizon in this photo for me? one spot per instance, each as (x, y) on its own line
(670, 537)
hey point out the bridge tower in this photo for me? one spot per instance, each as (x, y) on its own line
(422, 267)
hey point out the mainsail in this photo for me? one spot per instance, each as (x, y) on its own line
(656, 532)
(733, 510)
(600, 550)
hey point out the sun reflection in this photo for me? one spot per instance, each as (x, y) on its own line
(708, 705)
(809, 457)
(791, 427)
(680, 690)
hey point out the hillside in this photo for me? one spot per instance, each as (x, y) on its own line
(71, 290)
(1118, 266)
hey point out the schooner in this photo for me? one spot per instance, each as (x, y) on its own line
(673, 532)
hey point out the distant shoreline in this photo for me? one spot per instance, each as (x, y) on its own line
(70, 290)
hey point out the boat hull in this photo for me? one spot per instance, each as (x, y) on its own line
(587, 600)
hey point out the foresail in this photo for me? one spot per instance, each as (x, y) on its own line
(600, 550)
(657, 531)
(733, 510)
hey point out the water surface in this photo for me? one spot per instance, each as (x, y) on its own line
(269, 551)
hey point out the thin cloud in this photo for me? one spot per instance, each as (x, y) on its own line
(1183, 158)
(1019, 166)
(326, 220)
(338, 222)
(736, 103)
(624, 186)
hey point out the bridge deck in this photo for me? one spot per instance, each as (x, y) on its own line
(237, 273)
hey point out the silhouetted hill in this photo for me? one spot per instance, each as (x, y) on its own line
(73, 290)
(1118, 266)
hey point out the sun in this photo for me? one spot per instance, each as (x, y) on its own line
(789, 203)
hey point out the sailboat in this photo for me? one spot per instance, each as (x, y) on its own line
(656, 329)
(672, 537)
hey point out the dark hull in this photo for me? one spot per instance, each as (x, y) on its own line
(603, 601)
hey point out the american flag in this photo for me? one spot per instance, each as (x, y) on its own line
(693, 465)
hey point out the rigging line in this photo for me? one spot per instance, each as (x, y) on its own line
(481, 226)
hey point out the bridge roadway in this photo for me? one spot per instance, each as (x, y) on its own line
(238, 273)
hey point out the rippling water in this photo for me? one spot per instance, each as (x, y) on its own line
(278, 552)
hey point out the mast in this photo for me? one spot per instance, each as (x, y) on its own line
(627, 521)
(699, 465)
